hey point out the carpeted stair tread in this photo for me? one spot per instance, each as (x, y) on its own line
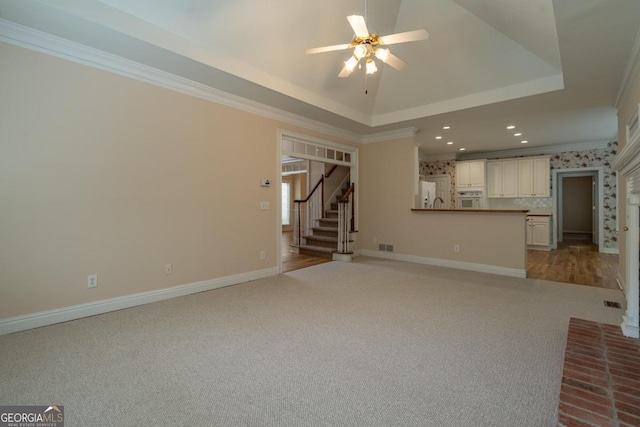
(329, 220)
(317, 248)
(323, 238)
(325, 229)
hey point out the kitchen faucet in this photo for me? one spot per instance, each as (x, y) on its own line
(435, 200)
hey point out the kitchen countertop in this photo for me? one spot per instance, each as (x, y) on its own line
(510, 211)
(538, 214)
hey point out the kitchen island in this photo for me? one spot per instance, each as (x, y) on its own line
(484, 240)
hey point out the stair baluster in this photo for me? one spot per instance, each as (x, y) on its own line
(328, 231)
(345, 221)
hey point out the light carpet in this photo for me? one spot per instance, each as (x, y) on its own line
(367, 343)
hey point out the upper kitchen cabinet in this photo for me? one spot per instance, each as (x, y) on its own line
(470, 174)
(533, 177)
(502, 178)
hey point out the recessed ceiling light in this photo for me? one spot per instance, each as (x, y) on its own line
(446, 127)
(511, 127)
(523, 142)
(461, 149)
(438, 137)
(450, 143)
(517, 134)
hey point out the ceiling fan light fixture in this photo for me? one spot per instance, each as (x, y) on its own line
(360, 51)
(351, 63)
(382, 54)
(365, 46)
(371, 66)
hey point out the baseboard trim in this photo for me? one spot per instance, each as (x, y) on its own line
(628, 330)
(65, 314)
(613, 251)
(481, 268)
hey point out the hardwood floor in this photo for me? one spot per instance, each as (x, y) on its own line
(291, 261)
(575, 261)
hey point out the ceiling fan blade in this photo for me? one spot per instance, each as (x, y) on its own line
(409, 36)
(395, 62)
(358, 25)
(327, 48)
(345, 72)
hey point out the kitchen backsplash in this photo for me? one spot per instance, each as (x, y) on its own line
(602, 157)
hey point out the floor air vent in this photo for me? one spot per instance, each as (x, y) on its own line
(612, 304)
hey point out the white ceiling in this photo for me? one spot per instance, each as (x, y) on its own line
(551, 67)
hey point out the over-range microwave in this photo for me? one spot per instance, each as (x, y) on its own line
(469, 200)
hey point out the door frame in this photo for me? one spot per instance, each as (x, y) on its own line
(317, 142)
(558, 175)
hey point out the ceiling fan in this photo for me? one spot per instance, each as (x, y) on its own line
(366, 46)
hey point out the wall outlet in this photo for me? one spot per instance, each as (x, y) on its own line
(92, 281)
(456, 248)
(375, 240)
(382, 247)
(168, 269)
(263, 254)
(389, 248)
(265, 206)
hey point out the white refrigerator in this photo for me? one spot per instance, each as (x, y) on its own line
(426, 194)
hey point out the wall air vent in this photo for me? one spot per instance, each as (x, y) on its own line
(612, 304)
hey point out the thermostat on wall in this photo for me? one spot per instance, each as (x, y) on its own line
(265, 183)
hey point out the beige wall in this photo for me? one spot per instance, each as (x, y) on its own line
(386, 198)
(626, 110)
(103, 174)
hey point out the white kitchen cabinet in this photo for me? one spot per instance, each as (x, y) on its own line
(533, 177)
(538, 232)
(470, 174)
(502, 178)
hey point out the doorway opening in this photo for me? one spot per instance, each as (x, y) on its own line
(577, 213)
(578, 207)
(320, 158)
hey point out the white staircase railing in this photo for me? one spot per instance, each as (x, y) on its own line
(315, 208)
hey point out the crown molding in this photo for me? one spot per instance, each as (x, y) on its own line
(49, 44)
(409, 132)
(630, 74)
(532, 151)
(438, 157)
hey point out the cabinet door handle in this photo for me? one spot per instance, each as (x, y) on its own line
(626, 228)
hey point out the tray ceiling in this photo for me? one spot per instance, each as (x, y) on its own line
(485, 62)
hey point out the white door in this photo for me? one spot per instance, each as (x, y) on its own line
(510, 178)
(443, 189)
(525, 177)
(540, 178)
(540, 234)
(494, 178)
(476, 174)
(462, 175)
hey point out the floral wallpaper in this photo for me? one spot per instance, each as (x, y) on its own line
(442, 167)
(602, 157)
